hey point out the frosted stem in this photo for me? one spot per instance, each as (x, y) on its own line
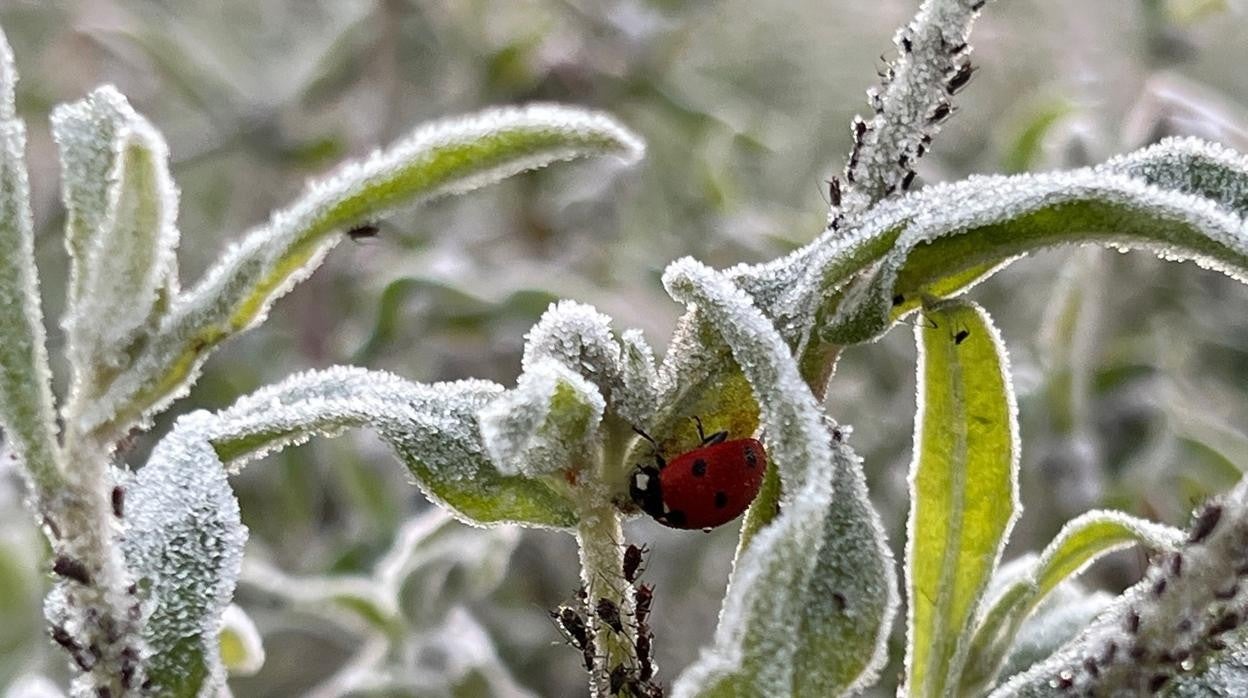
(103, 621)
(933, 62)
(602, 561)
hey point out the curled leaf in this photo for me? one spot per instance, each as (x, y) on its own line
(755, 643)
(446, 157)
(546, 424)
(432, 428)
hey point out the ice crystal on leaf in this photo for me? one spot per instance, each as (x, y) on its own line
(184, 546)
(776, 619)
(432, 428)
(120, 229)
(545, 424)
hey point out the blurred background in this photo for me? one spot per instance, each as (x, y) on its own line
(1129, 371)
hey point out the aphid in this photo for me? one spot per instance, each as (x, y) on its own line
(572, 625)
(363, 232)
(906, 44)
(1226, 623)
(642, 599)
(62, 637)
(960, 78)
(1089, 664)
(1176, 565)
(1160, 587)
(1157, 682)
(907, 180)
(645, 661)
(1226, 593)
(70, 568)
(898, 299)
(860, 129)
(961, 336)
(1205, 523)
(703, 488)
(875, 100)
(609, 613)
(978, 5)
(633, 559)
(1111, 651)
(119, 501)
(834, 191)
(1133, 621)
(940, 113)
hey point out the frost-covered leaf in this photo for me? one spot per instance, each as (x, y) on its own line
(546, 424)
(432, 428)
(639, 381)
(26, 413)
(1080, 543)
(184, 545)
(964, 488)
(446, 157)
(1181, 199)
(1054, 622)
(120, 227)
(755, 644)
(851, 598)
(33, 686)
(1226, 676)
(242, 648)
(1181, 616)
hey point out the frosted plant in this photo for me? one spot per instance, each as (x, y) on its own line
(146, 562)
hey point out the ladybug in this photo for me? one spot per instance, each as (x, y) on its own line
(703, 488)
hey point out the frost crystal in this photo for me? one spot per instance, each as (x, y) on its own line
(1180, 616)
(184, 545)
(120, 230)
(755, 642)
(545, 424)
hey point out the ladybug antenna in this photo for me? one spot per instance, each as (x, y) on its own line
(716, 438)
(647, 437)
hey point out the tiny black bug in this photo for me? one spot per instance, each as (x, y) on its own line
(363, 232)
(1205, 523)
(940, 113)
(633, 558)
(119, 501)
(907, 180)
(834, 191)
(609, 613)
(906, 44)
(960, 78)
(961, 336)
(70, 568)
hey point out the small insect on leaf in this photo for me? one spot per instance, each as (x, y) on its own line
(634, 557)
(363, 232)
(70, 568)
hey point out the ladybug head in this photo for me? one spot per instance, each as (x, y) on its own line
(646, 491)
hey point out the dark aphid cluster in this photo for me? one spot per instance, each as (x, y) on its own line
(364, 231)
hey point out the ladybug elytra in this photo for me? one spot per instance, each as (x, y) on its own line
(703, 488)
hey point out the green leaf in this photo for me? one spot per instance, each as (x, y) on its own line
(26, 412)
(964, 488)
(432, 428)
(546, 424)
(184, 545)
(1180, 199)
(447, 157)
(754, 650)
(242, 649)
(1081, 542)
(120, 230)
(1179, 617)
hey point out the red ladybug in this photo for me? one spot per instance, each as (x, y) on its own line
(704, 488)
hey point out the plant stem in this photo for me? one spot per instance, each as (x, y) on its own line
(602, 560)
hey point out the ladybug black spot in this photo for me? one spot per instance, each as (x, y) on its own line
(676, 518)
(751, 458)
(721, 500)
(699, 468)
